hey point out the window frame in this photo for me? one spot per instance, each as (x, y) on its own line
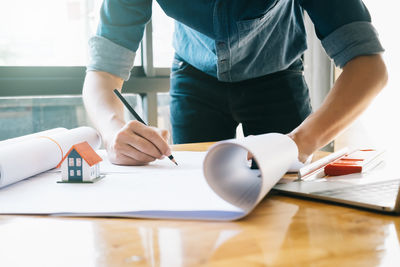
(146, 80)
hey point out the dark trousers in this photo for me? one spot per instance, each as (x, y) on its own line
(204, 109)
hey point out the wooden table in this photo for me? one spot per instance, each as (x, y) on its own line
(281, 231)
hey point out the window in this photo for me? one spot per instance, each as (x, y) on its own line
(71, 173)
(71, 162)
(47, 32)
(43, 51)
(78, 162)
(78, 173)
(163, 28)
(378, 126)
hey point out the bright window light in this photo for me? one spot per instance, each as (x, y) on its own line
(379, 125)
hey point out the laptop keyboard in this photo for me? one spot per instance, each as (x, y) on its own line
(381, 193)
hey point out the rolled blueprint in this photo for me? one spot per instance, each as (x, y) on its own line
(40, 153)
(227, 172)
(31, 136)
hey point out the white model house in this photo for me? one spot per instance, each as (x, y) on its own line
(80, 164)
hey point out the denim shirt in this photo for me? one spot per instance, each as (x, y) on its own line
(234, 40)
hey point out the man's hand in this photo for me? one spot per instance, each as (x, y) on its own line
(137, 144)
(131, 143)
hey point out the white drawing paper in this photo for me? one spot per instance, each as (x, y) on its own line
(213, 185)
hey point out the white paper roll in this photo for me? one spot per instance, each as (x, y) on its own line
(227, 171)
(21, 160)
(31, 136)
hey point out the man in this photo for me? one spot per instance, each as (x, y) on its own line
(236, 62)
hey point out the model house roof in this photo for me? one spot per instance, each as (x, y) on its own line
(86, 152)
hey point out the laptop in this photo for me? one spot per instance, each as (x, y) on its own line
(377, 189)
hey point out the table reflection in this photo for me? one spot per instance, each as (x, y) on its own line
(28, 241)
(280, 232)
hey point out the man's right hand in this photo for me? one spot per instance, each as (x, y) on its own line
(131, 143)
(137, 144)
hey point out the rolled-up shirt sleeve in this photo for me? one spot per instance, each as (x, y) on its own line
(344, 28)
(110, 57)
(118, 36)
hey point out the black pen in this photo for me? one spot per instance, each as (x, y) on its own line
(133, 112)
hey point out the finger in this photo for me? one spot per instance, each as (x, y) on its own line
(122, 159)
(136, 154)
(129, 137)
(144, 146)
(128, 156)
(152, 136)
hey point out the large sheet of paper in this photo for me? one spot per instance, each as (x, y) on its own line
(217, 185)
(159, 190)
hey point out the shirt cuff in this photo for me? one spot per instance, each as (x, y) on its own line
(110, 57)
(352, 40)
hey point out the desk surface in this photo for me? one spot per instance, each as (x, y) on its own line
(281, 231)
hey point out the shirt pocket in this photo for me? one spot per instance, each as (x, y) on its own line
(248, 29)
